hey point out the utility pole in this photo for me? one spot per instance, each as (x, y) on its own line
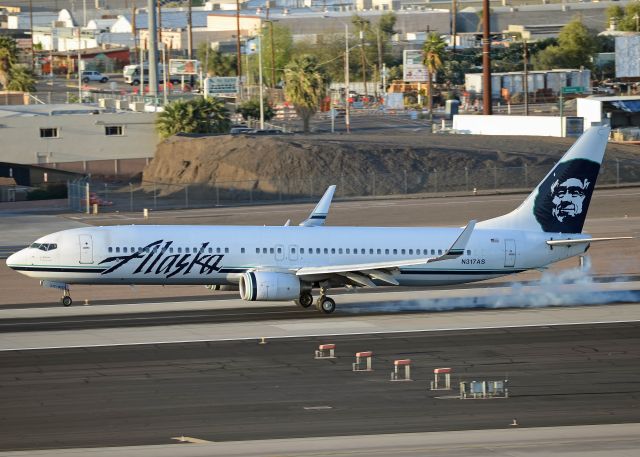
(153, 49)
(364, 63)
(525, 82)
(486, 59)
(238, 48)
(347, 110)
(134, 30)
(454, 31)
(33, 55)
(260, 81)
(189, 31)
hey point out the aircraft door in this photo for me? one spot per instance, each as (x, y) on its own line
(86, 249)
(509, 253)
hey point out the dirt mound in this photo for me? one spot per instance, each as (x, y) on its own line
(359, 164)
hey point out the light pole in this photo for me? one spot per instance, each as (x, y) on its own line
(347, 110)
(525, 82)
(260, 81)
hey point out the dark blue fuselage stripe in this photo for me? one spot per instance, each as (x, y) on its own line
(60, 269)
(318, 217)
(460, 272)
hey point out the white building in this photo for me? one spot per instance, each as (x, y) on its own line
(72, 133)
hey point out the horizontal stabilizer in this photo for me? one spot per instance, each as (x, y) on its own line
(585, 240)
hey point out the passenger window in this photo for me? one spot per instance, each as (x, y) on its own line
(362, 251)
(370, 251)
(468, 252)
(226, 250)
(117, 250)
(279, 250)
(326, 251)
(264, 250)
(402, 251)
(186, 250)
(339, 250)
(433, 252)
(379, 251)
(210, 250)
(395, 252)
(271, 250)
(257, 250)
(348, 251)
(301, 250)
(241, 250)
(124, 250)
(293, 250)
(218, 250)
(425, 252)
(317, 250)
(410, 251)
(439, 251)
(179, 250)
(333, 250)
(171, 250)
(110, 249)
(386, 251)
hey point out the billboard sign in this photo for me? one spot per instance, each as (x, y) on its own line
(413, 68)
(183, 67)
(221, 85)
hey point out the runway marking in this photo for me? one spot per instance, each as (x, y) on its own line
(189, 439)
(317, 408)
(316, 335)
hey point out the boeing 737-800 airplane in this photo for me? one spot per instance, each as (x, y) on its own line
(289, 262)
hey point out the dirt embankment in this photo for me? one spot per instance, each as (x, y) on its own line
(362, 164)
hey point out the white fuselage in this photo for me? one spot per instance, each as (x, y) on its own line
(219, 255)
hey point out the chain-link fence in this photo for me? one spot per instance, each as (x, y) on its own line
(155, 195)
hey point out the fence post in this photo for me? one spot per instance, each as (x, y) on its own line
(130, 197)
(495, 178)
(373, 182)
(155, 196)
(466, 179)
(617, 173)
(217, 195)
(186, 196)
(87, 195)
(435, 179)
(526, 176)
(406, 184)
(106, 191)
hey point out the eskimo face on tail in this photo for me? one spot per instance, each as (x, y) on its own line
(563, 197)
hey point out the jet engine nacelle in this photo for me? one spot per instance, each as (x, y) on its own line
(269, 286)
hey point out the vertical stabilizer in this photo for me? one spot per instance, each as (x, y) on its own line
(560, 202)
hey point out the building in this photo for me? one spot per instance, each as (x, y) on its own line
(46, 134)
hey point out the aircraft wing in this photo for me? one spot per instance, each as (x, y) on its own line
(585, 240)
(363, 273)
(320, 212)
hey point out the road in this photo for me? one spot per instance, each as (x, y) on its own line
(241, 390)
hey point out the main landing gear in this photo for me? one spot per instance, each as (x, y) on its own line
(66, 298)
(305, 300)
(324, 304)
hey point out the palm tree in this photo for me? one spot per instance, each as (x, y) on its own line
(433, 51)
(193, 116)
(305, 86)
(21, 79)
(8, 58)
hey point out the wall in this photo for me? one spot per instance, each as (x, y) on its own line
(82, 137)
(508, 125)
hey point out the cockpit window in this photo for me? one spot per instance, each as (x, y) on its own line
(44, 246)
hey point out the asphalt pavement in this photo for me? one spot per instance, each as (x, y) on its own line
(242, 390)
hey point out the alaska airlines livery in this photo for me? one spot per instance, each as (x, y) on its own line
(289, 262)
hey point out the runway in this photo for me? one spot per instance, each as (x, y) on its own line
(146, 365)
(242, 390)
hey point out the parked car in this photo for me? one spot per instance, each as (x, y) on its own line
(94, 76)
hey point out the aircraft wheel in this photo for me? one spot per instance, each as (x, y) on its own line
(305, 300)
(326, 304)
(66, 301)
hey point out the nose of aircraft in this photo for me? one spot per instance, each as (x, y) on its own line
(13, 259)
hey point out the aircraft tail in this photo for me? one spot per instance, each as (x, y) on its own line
(560, 202)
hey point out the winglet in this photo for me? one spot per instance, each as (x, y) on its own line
(319, 213)
(459, 245)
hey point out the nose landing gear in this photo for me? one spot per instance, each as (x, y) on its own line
(66, 298)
